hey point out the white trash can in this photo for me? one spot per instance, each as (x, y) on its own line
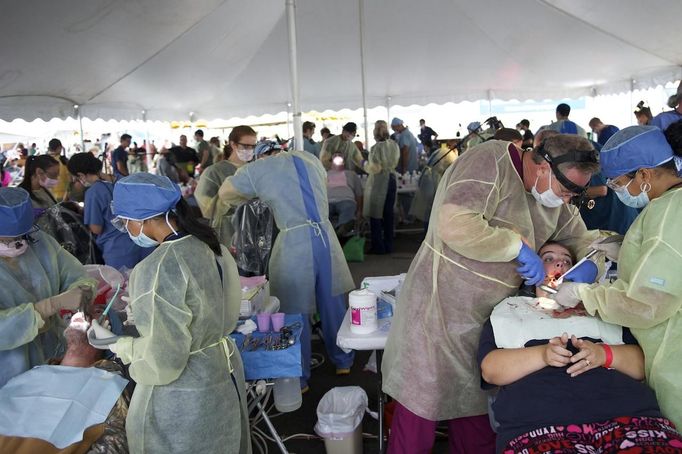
(339, 419)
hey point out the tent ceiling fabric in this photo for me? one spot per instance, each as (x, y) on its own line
(227, 58)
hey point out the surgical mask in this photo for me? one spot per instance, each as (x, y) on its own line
(547, 198)
(639, 201)
(49, 182)
(85, 183)
(245, 154)
(13, 249)
(142, 240)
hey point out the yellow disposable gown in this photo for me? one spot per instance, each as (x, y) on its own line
(217, 211)
(647, 296)
(429, 181)
(351, 155)
(383, 159)
(185, 400)
(44, 270)
(463, 269)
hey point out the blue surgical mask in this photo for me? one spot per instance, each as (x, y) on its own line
(142, 240)
(639, 201)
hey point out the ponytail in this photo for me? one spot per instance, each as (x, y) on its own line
(190, 224)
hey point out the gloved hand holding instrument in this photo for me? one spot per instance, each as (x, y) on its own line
(584, 271)
(71, 300)
(609, 245)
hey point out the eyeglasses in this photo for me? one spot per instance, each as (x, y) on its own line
(611, 183)
(247, 146)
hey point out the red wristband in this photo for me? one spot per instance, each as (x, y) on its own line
(609, 355)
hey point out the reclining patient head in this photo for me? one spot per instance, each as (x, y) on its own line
(557, 259)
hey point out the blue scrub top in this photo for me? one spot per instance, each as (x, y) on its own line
(117, 248)
(609, 213)
(665, 119)
(606, 134)
(406, 138)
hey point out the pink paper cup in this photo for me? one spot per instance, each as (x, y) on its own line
(263, 322)
(277, 321)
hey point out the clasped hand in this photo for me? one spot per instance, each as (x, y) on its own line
(589, 356)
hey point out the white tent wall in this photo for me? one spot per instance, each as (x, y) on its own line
(228, 58)
(447, 119)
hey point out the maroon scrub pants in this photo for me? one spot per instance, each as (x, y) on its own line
(412, 434)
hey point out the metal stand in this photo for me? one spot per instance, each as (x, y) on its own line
(380, 354)
(271, 427)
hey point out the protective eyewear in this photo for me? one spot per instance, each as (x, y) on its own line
(573, 156)
(247, 146)
(611, 182)
(120, 223)
(19, 238)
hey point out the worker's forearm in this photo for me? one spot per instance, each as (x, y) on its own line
(628, 359)
(507, 365)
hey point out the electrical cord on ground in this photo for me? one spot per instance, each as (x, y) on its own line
(316, 360)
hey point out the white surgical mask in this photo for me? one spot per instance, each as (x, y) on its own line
(49, 182)
(13, 249)
(245, 154)
(639, 201)
(547, 198)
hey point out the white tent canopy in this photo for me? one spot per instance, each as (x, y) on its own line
(221, 59)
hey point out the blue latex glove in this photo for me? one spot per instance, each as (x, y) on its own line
(532, 269)
(585, 273)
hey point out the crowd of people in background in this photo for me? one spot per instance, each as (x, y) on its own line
(490, 201)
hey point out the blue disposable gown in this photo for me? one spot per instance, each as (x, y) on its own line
(275, 181)
(186, 400)
(44, 270)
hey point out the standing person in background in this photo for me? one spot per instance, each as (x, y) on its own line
(426, 136)
(203, 150)
(308, 271)
(119, 158)
(325, 133)
(41, 175)
(186, 159)
(408, 163)
(604, 132)
(408, 147)
(309, 144)
(643, 114)
(380, 189)
(165, 165)
(524, 128)
(117, 248)
(56, 150)
(216, 149)
(344, 146)
(563, 125)
(665, 119)
(242, 142)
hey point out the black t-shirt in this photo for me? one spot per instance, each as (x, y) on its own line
(183, 155)
(551, 396)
